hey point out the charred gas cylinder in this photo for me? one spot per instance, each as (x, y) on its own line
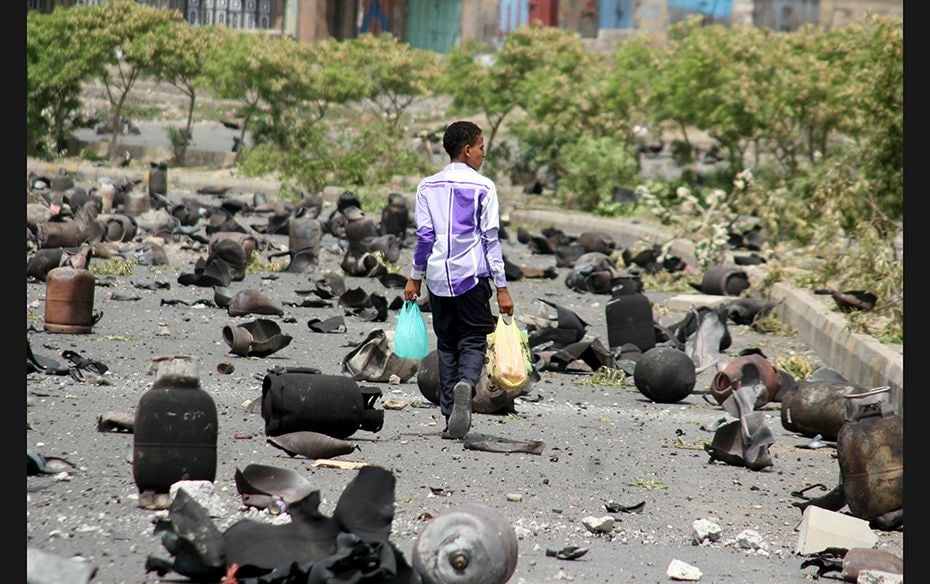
(305, 232)
(724, 281)
(69, 300)
(817, 407)
(629, 317)
(295, 399)
(174, 436)
(870, 450)
(158, 178)
(665, 375)
(467, 544)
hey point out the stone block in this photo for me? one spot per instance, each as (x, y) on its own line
(821, 529)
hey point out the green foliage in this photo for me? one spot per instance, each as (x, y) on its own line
(179, 138)
(650, 484)
(560, 87)
(180, 55)
(123, 43)
(114, 267)
(264, 74)
(88, 155)
(394, 74)
(59, 57)
(593, 167)
(771, 324)
(257, 265)
(337, 152)
(632, 73)
(478, 80)
(799, 366)
(869, 262)
(605, 376)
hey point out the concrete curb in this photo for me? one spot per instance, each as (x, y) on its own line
(178, 178)
(859, 358)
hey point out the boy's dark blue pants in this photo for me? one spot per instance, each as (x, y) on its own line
(462, 325)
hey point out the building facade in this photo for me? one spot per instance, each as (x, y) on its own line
(440, 25)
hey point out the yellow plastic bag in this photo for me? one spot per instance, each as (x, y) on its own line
(508, 354)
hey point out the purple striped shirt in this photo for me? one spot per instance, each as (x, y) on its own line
(457, 223)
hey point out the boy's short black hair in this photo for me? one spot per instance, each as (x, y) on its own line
(458, 135)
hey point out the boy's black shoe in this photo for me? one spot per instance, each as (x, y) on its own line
(460, 418)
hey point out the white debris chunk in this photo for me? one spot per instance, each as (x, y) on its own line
(599, 524)
(678, 570)
(704, 530)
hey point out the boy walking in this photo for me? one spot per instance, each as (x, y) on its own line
(458, 217)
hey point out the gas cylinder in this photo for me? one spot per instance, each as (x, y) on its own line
(724, 281)
(817, 407)
(295, 399)
(304, 231)
(870, 450)
(744, 371)
(467, 544)
(137, 204)
(69, 300)
(174, 436)
(158, 178)
(629, 317)
(665, 375)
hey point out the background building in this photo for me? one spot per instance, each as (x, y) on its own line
(440, 25)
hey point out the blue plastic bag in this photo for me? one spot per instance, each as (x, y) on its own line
(411, 340)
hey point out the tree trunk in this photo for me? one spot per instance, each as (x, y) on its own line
(245, 125)
(692, 166)
(117, 127)
(182, 152)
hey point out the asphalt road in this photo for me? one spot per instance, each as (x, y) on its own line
(602, 443)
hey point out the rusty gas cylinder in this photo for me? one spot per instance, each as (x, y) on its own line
(817, 407)
(69, 300)
(467, 544)
(174, 437)
(870, 450)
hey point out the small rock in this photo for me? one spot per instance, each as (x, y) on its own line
(394, 379)
(62, 477)
(749, 540)
(678, 570)
(599, 524)
(395, 404)
(704, 530)
(514, 497)
(522, 532)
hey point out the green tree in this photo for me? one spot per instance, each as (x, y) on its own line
(261, 72)
(628, 86)
(476, 80)
(394, 73)
(332, 78)
(713, 79)
(124, 43)
(560, 86)
(58, 59)
(179, 58)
